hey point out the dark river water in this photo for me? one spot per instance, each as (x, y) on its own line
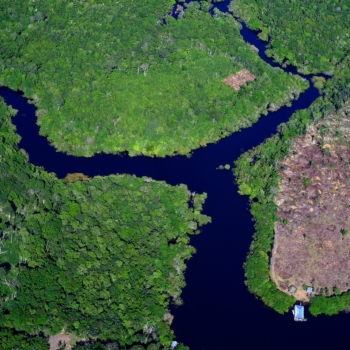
(218, 311)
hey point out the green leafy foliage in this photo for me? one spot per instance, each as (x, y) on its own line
(100, 258)
(110, 76)
(312, 35)
(307, 181)
(329, 305)
(20, 340)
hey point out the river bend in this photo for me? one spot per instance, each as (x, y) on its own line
(218, 310)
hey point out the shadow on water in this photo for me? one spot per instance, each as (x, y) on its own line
(218, 311)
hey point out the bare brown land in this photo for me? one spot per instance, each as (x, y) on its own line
(240, 78)
(76, 177)
(56, 341)
(312, 243)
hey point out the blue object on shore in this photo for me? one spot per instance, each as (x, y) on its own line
(174, 344)
(299, 313)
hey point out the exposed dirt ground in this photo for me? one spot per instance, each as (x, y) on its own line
(312, 240)
(56, 341)
(240, 78)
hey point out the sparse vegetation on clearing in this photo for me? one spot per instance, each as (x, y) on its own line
(312, 248)
(258, 176)
(62, 341)
(240, 78)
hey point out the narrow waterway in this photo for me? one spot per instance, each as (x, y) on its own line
(218, 311)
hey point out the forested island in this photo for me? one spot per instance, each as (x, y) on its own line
(127, 76)
(297, 182)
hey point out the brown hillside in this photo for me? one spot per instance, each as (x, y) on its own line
(312, 240)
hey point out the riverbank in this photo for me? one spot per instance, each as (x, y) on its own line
(157, 92)
(214, 276)
(311, 244)
(199, 172)
(101, 258)
(269, 175)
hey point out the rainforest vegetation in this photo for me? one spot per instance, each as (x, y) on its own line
(257, 174)
(103, 258)
(100, 258)
(111, 76)
(312, 35)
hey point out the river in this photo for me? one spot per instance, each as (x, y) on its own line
(218, 311)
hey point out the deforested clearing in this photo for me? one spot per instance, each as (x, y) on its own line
(64, 340)
(312, 244)
(240, 78)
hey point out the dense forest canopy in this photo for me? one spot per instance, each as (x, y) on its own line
(312, 35)
(100, 258)
(258, 176)
(113, 76)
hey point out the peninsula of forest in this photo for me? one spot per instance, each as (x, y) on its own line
(100, 258)
(298, 183)
(122, 76)
(297, 180)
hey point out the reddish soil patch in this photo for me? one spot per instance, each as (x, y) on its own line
(312, 240)
(240, 78)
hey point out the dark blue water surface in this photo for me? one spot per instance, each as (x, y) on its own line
(218, 312)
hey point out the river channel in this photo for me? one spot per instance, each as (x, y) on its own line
(218, 311)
